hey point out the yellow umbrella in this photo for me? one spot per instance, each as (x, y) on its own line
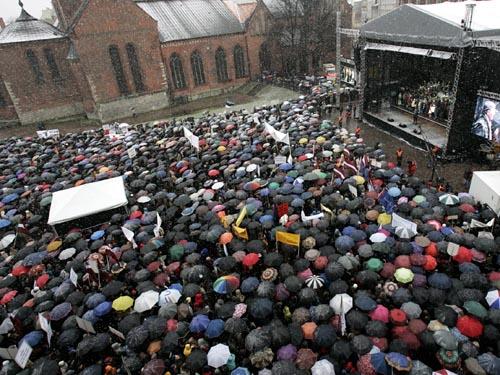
(384, 219)
(54, 245)
(122, 303)
(320, 140)
(303, 141)
(103, 169)
(403, 275)
(221, 149)
(359, 180)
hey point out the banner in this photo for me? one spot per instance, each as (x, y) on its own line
(311, 217)
(277, 135)
(193, 139)
(477, 224)
(288, 238)
(241, 216)
(240, 232)
(278, 160)
(51, 133)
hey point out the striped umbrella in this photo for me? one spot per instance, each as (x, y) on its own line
(449, 199)
(493, 299)
(315, 282)
(405, 233)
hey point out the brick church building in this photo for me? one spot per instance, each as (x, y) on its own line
(109, 59)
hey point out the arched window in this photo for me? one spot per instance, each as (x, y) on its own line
(116, 61)
(135, 68)
(264, 57)
(51, 63)
(35, 66)
(197, 66)
(221, 65)
(239, 62)
(177, 71)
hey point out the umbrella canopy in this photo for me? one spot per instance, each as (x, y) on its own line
(123, 303)
(218, 355)
(341, 303)
(146, 301)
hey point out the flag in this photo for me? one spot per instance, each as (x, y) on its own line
(277, 135)
(129, 235)
(193, 139)
(241, 216)
(364, 166)
(282, 209)
(240, 232)
(311, 217)
(288, 238)
(339, 173)
(477, 224)
(387, 201)
(157, 227)
(351, 166)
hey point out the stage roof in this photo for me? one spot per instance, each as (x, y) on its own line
(435, 24)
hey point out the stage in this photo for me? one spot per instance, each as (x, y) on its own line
(433, 133)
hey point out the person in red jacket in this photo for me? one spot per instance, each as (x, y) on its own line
(412, 167)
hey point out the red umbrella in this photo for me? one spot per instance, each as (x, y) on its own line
(469, 326)
(466, 207)
(398, 316)
(417, 326)
(321, 262)
(402, 261)
(213, 173)
(388, 270)
(464, 255)
(154, 266)
(380, 342)
(432, 250)
(430, 263)
(42, 280)
(399, 331)
(171, 325)
(251, 259)
(417, 259)
(411, 340)
(380, 313)
(161, 279)
(7, 297)
(20, 270)
(135, 215)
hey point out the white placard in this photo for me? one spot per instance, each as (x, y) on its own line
(73, 277)
(8, 353)
(85, 325)
(45, 326)
(310, 217)
(51, 133)
(353, 190)
(6, 326)
(193, 139)
(398, 221)
(477, 224)
(129, 235)
(278, 160)
(23, 354)
(452, 248)
(116, 333)
(157, 228)
(132, 152)
(93, 265)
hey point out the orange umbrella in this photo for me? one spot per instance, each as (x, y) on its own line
(308, 330)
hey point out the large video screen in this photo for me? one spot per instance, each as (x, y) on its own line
(487, 119)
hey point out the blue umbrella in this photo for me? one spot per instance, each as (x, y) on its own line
(240, 371)
(176, 286)
(344, 244)
(286, 167)
(365, 303)
(4, 223)
(97, 235)
(199, 323)
(102, 309)
(33, 259)
(394, 192)
(90, 316)
(379, 364)
(398, 361)
(348, 231)
(94, 300)
(11, 213)
(265, 218)
(358, 235)
(440, 281)
(60, 311)
(447, 230)
(10, 198)
(249, 284)
(33, 338)
(215, 328)
(264, 192)
(469, 267)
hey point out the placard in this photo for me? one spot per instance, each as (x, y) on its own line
(23, 354)
(132, 152)
(73, 277)
(452, 249)
(278, 160)
(45, 134)
(45, 326)
(85, 325)
(398, 221)
(8, 353)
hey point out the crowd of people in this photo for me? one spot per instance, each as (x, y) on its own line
(430, 99)
(310, 253)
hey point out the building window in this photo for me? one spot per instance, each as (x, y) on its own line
(116, 61)
(35, 66)
(221, 65)
(239, 62)
(135, 68)
(177, 72)
(3, 102)
(197, 66)
(51, 63)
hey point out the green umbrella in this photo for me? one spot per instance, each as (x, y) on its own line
(448, 357)
(176, 252)
(419, 199)
(374, 264)
(274, 186)
(46, 201)
(403, 275)
(476, 309)
(293, 174)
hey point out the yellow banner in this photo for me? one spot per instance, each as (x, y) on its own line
(240, 232)
(241, 216)
(288, 238)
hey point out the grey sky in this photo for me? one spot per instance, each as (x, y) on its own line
(9, 9)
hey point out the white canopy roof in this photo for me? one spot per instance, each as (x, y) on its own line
(86, 200)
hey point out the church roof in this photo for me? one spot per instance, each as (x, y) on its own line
(26, 28)
(188, 19)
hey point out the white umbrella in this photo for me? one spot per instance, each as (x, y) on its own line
(444, 372)
(218, 355)
(315, 282)
(341, 303)
(146, 301)
(6, 241)
(493, 299)
(67, 253)
(449, 199)
(323, 367)
(378, 237)
(169, 295)
(405, 233)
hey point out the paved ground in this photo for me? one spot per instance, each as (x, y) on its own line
(452, 172)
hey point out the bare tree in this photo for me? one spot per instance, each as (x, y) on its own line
(303, 32)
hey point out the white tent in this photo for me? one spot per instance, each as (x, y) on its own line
(485, 188)
(86, 200)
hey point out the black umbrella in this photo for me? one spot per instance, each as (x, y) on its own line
(376, 328)
(257, 340)
(361, 344)
(68, 339)
(260, 308)
(356, 320)
(170, 342)
(196, 360)
(137, 336)
(284, 368)
(293, 284)
(324, 335)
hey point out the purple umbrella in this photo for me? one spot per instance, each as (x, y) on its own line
(287, 353)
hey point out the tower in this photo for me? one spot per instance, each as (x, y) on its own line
(66, 10)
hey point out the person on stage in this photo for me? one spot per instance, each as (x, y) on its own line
(484, 127)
